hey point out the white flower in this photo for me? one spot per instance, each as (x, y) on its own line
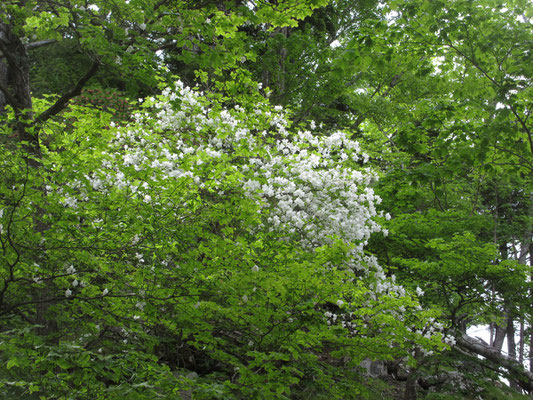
(75, 283)
(71, 270)
(68, 293)
(69, 202)
(450, 340)
(255, 268)
(105, 291)
(142, 26)
(135, 239)
(245, 298)
(340, 303)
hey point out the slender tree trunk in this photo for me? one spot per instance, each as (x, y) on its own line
(496, 330)
(529, 247)
(499, 337)
(502, 331)
(510, 334)
(282, 63)
(531, 297)
(521, 345)
(511, 346)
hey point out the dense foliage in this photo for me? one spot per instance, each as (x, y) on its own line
(265, 200)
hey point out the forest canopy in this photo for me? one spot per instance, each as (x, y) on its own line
(281, 199)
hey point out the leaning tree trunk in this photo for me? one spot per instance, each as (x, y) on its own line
(521, 375)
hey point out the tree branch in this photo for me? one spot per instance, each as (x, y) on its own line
(61, 103)
(523, 377)
(524, 126)
(41, 43)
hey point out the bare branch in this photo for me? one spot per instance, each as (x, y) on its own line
(41, 43)
(61, 103)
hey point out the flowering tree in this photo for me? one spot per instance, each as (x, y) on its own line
(202, 248)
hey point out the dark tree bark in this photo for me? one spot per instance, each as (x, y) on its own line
(3, 84)
(410, 388)
(511, 346)
(17, 89)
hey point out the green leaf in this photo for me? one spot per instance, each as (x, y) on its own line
(12, 363)
(63, 363)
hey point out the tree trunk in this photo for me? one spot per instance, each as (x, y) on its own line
(510, 332)
(17, 89)
(521, 345)
(511, 347)
(410, 387)
(412, 378)
(3, 84)
(499, 337)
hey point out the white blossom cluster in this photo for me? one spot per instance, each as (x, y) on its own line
(356, 326)
(307, 185)
(312, 189)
